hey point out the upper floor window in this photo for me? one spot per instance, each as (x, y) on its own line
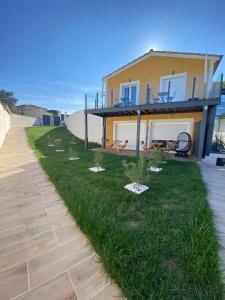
(129, 93)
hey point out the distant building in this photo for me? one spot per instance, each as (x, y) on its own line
(42, 115)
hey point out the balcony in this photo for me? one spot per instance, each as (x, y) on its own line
(169, 101)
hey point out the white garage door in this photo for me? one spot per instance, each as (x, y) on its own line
(127, 131)
(169, 130)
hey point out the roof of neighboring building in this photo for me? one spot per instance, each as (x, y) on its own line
(30, 105)
(151, 52)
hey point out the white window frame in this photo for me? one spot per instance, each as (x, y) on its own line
(131, 83)
(184, 75)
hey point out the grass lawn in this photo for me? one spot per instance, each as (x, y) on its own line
(158, 245)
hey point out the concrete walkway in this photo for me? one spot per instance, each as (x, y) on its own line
(214, 177)
(43, 255)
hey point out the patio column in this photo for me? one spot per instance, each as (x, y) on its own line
(103, 131)
(138, 133)
(209, 129)
(202, 131)
(85, 124)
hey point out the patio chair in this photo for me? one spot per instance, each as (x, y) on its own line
(109, 145)
(183, 144)
(120, 145)
(146, 148)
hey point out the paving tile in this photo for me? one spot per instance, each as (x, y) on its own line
(110, 292)
(216, 195)
(88, 277)
(14, 281)
(67, 232)
(58, 260)
(11, 230)
(35, 226)
(59, 288)
(27, 250)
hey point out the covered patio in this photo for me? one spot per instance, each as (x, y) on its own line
(203, 132)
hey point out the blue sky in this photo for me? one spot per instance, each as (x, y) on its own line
(53, 51)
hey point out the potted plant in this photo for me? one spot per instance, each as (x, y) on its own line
(97, 163)
(72, 154)
(50, 143)
(155, 159)
(136, 173)
(58, 145)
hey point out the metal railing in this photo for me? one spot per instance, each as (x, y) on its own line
(97, 99)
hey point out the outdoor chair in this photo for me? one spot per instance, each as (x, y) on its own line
(183, 144)
(163, 97)
(109, 145)
(120, 145)
(146, 148)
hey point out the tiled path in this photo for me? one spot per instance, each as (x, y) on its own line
(43, 255)
(214, 177)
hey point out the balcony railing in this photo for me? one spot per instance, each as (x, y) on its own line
(98, 99)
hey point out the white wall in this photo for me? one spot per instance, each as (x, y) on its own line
(4, 123)
(22, 121)
(75, 124)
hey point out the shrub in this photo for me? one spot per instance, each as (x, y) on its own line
(58, 143)
(50, 142)
(98, 159)
(156, 157)
(136, 172)
(72, 153)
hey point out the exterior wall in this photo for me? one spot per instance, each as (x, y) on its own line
(110, 120)
(75, 124)
(149, 71)
(4, 123)
(22, 121)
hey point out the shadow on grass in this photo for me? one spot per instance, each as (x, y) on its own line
(160, 245)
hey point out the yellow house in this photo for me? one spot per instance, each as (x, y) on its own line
(159, 95)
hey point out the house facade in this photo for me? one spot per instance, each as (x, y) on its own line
(159, 95)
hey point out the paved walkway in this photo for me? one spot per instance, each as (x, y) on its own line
(214, 176)
(43, 255)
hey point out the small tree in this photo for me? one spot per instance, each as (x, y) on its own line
(73, 140)
(50, 141)
(156, 157)
(98, 159)
(58, 143)
(136, 172)
(72, 153)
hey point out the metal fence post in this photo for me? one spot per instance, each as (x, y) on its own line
(193, 88)
(138, 133)
(86, 123)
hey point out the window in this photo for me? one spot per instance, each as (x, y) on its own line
(129, 92)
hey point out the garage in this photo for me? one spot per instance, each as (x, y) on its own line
(169, 129)
(128, 131)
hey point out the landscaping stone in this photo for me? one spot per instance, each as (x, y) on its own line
(74, 158)
(136, 188)
(153, 169)
(96, 169)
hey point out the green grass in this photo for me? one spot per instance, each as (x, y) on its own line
(158, 245)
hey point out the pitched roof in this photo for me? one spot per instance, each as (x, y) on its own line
(151, 52)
